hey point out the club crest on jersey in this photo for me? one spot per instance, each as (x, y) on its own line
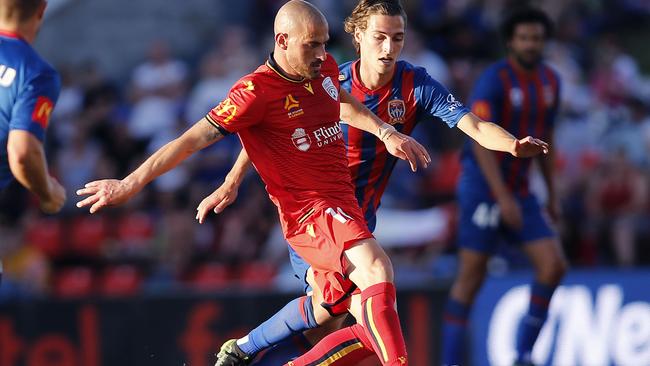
(396, 111)
(300, 139)
(329, 87)
(292, 106)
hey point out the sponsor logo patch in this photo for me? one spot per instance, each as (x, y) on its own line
(42, 111)
(300, 139)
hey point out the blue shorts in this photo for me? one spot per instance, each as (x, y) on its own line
(300, 268)
(481, 229)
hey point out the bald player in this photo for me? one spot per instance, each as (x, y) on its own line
(403, 94)
(286, 114)
(29, 88)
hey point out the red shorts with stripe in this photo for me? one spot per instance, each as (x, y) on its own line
(321, 237)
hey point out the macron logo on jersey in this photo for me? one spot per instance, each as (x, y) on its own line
(7, 75)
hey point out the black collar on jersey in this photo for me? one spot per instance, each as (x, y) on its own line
(275, 67)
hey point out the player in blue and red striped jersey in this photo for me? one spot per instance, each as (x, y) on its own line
(287, 115)
(399, 93)
(29, 88)
(494, 195)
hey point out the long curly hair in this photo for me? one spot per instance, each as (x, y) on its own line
(359, 17)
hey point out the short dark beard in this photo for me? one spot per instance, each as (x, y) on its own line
(525, 64)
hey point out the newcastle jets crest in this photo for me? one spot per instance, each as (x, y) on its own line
(396, 111)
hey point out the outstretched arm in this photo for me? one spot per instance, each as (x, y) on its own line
(402, 146)
(226, 194)
(109, 192)
(493, 137)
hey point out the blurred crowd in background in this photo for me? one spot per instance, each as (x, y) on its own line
(105, 127)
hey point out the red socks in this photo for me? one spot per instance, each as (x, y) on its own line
(381, 332)
(347, 346)
(382, 325)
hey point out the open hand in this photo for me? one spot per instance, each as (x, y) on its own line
(528, 147)
(221, 198)
(406, 148)
(102, 193)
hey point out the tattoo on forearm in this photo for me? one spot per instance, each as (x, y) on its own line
(212, 133)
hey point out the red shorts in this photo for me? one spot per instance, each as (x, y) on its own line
(321, 237)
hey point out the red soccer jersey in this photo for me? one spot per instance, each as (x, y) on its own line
(290, 130)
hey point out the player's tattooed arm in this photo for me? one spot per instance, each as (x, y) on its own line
(212, 133)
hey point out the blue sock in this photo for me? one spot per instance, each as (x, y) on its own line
(288, 350)
(294, 317)
(540, 297)
(453, 332)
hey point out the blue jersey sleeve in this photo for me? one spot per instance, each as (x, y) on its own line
(437, 100)
(35, 103)
(487, 96)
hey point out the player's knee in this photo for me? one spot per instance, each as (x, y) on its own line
(467, 285)
(378, 269)
(472, 278)
(321, 315)
(553, 271)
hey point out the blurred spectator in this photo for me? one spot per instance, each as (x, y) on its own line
(158, 84)
(616, 199)
(231, 57)
(76, 162)
(415, 52)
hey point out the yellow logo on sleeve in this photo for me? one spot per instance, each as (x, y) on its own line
(226, 107)
(249, 85)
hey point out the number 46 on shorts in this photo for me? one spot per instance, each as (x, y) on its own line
(486, 215)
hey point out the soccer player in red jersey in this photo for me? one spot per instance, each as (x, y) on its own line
(400, 93)
(287, 114)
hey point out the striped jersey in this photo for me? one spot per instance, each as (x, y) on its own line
(523, 103)
(402, 102)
